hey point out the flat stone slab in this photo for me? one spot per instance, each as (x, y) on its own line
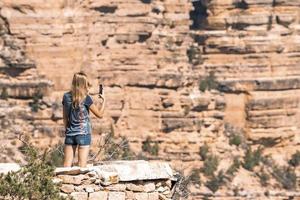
(125, 170)
(8, 167)
(71, 170)
(137, 170)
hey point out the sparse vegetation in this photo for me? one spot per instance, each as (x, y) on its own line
(252, 158)
(114, 149)
(210, 165)
(235, 134)
(268, 142)
(235, 139)
(270, 22)
(263, 177)
(295, 160)
(194, 55)
(216, 181)
(57, 156)
(150, 147)
(36, 100)
(286, 176)
(208, 83)
(234, 167)
(4, 94)
(195, 177)
(33, 181)
(110, 148)
(203, 151)
(127, 154)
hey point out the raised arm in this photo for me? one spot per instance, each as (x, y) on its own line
(97, 109)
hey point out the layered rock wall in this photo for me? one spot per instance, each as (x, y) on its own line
(153, 57)
(254, 47)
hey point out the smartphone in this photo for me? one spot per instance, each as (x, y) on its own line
(100, 89)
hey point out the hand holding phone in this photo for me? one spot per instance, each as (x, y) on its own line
(101, 91)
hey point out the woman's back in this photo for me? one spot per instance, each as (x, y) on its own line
(78, 117)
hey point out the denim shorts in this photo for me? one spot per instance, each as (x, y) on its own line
(82, 139)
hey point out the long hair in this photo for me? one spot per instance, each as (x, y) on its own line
(79, 88)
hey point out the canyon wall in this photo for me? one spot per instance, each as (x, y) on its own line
(176, 74)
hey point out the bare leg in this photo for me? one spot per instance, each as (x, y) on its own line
(83, 152)
(69, 152)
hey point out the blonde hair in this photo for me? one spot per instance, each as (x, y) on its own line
(79, 89)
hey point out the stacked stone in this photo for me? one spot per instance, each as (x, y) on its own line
(114, 181)
(83, 187)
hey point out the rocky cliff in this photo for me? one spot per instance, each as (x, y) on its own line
(177, 75)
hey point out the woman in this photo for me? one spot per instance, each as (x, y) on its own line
(76, 106)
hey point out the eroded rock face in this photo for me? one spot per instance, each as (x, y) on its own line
(152, 57)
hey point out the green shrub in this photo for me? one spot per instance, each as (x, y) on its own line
(235, 134)
(150, 146)
(235, 139)
(210, 165)
(208, 83)
(155, 149)
(34, 181)
(295, 160)
(216, 181)
(203, 151)
(252, 158)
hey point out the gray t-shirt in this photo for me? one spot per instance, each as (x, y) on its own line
(78, 118)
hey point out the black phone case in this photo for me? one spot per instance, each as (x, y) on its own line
(100, 89)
